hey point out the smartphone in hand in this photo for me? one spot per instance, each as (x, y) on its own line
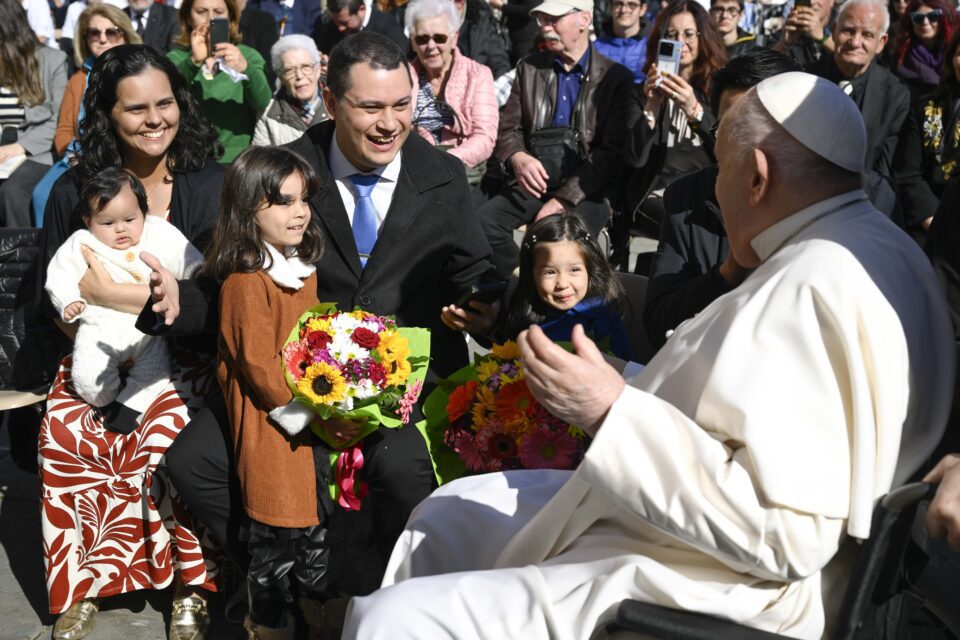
(668, 56)
(487, 293)
(219, 32)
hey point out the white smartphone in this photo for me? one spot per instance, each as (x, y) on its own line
(668, 56)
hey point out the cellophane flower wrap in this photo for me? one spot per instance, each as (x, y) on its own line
(354, 365)
(483, 418)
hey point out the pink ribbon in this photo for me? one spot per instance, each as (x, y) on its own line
(351, 489)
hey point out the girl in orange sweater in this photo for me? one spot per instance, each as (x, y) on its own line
(263, 251)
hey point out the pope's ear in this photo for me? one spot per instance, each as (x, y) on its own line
(758, 166)
(330, 102)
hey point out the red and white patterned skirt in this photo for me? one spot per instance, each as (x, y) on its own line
(112, 522)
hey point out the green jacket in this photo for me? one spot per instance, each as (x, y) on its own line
(231, 107)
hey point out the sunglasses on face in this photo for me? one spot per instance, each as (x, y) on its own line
(918, 17)
(439, 38)
(112, 34)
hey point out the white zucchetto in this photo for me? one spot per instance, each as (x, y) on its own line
(819, 115)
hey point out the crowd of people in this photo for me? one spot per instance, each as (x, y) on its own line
(203, 172)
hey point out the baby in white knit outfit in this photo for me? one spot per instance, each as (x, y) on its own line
(118, 229)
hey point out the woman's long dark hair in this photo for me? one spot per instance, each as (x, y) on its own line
(526, 307)
(253, 181)
(948, 24)
(196, 140)
(711, 53)
(19, 68)
(949, 86)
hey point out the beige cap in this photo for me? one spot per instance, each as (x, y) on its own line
(819, 114)
(558, 8)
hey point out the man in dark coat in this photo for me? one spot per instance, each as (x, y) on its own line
(298, 18)
(859, 36)
(429, 250)
(156, 23)
(479, 39)
(569, 89)
(806, 35)
(346, 17)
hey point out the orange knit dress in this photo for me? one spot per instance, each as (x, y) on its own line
(277, 475)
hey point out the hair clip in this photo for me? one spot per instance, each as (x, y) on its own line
(532, 240)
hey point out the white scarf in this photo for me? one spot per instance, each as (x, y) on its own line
(287, 270)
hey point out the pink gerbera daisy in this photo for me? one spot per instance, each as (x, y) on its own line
(465, 444)
(296, 358)
(547, 449)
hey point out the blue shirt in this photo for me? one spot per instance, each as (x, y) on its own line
(604, 327)
(629, 52)
(568, 89)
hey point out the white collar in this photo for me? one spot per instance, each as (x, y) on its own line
(287, 271)
(772, 238)
(342, 168)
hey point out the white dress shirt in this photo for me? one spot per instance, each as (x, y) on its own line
(382, 195)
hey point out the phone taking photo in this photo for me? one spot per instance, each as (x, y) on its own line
(487, 293)
(219, 32)
(668, 56)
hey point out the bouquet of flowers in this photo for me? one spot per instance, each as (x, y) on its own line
(483, 418)
(357, 366)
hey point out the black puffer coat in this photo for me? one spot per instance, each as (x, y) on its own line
(30, 344)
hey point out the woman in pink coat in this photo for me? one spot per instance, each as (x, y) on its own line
(455, 103)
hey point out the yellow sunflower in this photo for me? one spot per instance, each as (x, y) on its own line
(485, 405)
(507, 351)
(486, 369)
(397, 371)
(518, 426)
(393, 346)
(322, 383)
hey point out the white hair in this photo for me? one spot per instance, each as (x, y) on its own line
(292, 43)
(750, 126)
(879, 5)
(425, 9)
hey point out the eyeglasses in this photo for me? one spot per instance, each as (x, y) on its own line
(543, 19)
(112, 34)
(688, 36)
(733, 12)
(918, 17)
(306, 70)
(423, 39)
(625, 6)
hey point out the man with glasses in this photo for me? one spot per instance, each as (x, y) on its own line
(726, 14)
(859, 35)
(347, 17)
(626, 42)
(561, 131)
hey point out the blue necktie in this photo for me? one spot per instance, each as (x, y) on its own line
(364, 215)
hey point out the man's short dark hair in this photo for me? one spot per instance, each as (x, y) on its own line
(377, 50)
(352, 6)
(739, 2)
(104, 187)
(748, 70)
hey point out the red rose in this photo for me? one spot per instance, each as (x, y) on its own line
(377, 373)
(318, 340)
(364, 338)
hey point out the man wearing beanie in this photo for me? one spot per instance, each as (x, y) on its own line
(561, 131)
(725, 476)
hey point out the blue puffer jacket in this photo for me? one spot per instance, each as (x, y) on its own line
(629, 52)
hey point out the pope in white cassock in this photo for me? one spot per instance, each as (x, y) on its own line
(724, 476)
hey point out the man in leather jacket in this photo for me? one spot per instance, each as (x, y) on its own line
(569, 85)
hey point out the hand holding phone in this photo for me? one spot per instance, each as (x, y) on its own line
(487, 293)
(219, 32)
(668, 56)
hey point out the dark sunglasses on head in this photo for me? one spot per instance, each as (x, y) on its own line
(439, 38)
(113, 34)
(918, 17)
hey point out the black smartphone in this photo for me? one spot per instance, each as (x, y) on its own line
(486, 293)
(219, 31)
(802, 3)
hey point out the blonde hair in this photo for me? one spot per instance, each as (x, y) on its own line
(119, 18)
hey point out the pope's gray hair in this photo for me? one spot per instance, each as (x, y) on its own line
(748, 126)
(291, 43)
(879, 5)
(425, 9)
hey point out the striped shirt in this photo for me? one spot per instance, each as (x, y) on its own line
(11, 115)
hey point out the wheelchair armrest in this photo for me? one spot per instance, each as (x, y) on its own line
(664, 623)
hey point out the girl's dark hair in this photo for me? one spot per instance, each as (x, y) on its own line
(526, 307)
(711, 53)
(104, 187)
(252, 182)
(948, 24)
(196, 140)
(19, 68)
(949, 86)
